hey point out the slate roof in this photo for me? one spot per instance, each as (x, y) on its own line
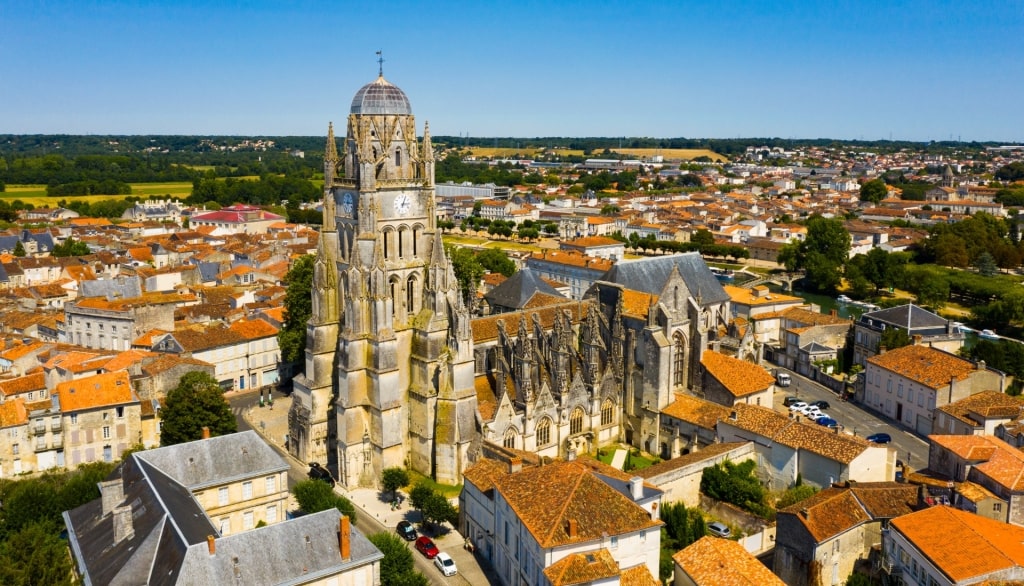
(218, 460)
(125, 287)
(649, 275)
(907, 316)
(982, 545)
(711, 561)
(517, 290)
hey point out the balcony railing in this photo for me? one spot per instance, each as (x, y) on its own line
(56, 426)
(39, 428)
(40, 444)
(58, 441)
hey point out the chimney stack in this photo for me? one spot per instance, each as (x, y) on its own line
(123, 528)
(206, 432)
(111, 494)
(345, 538)
(211, 544)
(636, 488)
(834, 312)
(515, 464)
(917, 339)
(573, 528)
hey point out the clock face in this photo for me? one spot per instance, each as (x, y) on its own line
(402, 204)
(346, 203)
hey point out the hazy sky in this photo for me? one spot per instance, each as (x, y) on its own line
(867, 69)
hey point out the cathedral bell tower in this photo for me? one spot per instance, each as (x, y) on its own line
(402, 390)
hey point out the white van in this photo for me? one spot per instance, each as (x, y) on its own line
(783, 379)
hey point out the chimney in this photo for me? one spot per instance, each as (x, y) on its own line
(834, 312)
(112, 494)
(636, 488)
(123, 528)
(917, 339)
(803, 513)
(515, 464)
(211, 544)
(345, 538)
(572, 528)
(206, 432)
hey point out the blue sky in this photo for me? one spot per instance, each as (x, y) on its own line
(919, 70)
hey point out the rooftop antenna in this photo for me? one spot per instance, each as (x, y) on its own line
(380, 63)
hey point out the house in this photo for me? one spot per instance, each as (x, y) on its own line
(758, 300)
(572, 268)
(908, 383)
(149, 526)
(945, 546)
(728, 380)
(986, 462)
(93, 418)
(235, 219)
(806, 338)
(933, 330)
(831, 531)
(680, 477)
(712, 561)
(596, 246)
(101, 323)
(15, 453)
(527, 520)
(689, 423)
(978, 414)
(788, 448)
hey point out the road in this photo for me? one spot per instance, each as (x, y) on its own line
(365, 521)
(909, 447)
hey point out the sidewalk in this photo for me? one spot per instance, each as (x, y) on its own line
(271, 422)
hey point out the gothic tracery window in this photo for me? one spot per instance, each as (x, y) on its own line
(510, 438)
(679, 361)
(576, 421)
(606, 412)
(544, 432)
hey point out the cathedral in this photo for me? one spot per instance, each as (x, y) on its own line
(399, 373)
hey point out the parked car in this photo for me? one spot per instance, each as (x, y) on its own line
(799, 405)
(446, 564)
(821, 404)
(788, 401)
(879, 438)
(318, 472)
(783, 379)
(826, 421)
(816, 415)
(809, 411)
(425, 546)
(406, 530)
(719, 529)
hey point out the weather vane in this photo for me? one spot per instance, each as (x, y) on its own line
(380, 63)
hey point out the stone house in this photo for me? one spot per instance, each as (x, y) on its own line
(96, 418)
(689, 423)
(934, 331)
(987, 462)
(712, 561)
(982, 413)
(728, 381)
(828, 533)
(99, 323)
(16, 455)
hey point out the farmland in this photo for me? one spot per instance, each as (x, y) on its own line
(36, 194)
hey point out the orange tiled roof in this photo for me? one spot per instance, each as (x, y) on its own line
(695, 410)
(23, 384)
(739, 377)
(712, 561)
(924, 365)
(101, 390)
(548, 497)
(986, 404)
(637, 303)
(981, 545)
(838, 509)
(798, 434)
(638, 575)
(254, 329)
(582, 568)
(993, 457)
(13, 413)
(747, 297)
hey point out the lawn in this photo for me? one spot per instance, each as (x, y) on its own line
(636, 460)
(447, 490)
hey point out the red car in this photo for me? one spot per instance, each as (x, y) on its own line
(426, 547)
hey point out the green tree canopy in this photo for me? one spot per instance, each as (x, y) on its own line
(298, 307)
(496, 261)
(873, 191)
(396, 569)
(19, 249)
(314, 496)
(70, 247)
(197, 402)
(822, 254)
(394, 478)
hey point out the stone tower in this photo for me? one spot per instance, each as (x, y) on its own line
(401, 362)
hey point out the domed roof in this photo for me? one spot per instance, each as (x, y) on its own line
(380, 97)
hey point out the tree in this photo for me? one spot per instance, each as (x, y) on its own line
(496, 261)
(985, 263)
(314, 496)
(795, 495)
(33, 555)
(298, 307)
(396, 569)
(19, 249)
(70, 247)
(438, 509)
(197, 402)
(822, 254)
(873, 191)
(467, 268)
(394, 478)
(702, 239)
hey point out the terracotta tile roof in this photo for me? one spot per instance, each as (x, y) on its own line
(546, 498)
(982, 545)
(973, 410)
(992, 457)
(254, 329)
(126, 359)
(572, 258)
(637, 303)
(13, 413)
(924, 365)
(739, 377)
(21, 350)
(806, 317)
(164, 362)
(638, 575)
(485, 473)
(975, 492)
(704, 453)
(130, 303)
(486, 402)
(101, 390)
(712, 561)
(695, 410)
(582, 568)
(798, 434)
(148, 338)
(837, 509)
(748, 297)
(486, 328)
(23, 384)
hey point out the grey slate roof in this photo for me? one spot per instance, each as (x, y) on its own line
(217, 460)
(814, 348)
(649, 275)
(123, 287)
(517, 290)
(907, 316)
(296, 551)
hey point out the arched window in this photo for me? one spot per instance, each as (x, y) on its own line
(387, 243)
(410, 295)
(510, 438)
(393, 285)
(417, 231)
(544, 432)
(398, 157)
(401, 242)
(606, 412)
(679, 361)
(576, 421)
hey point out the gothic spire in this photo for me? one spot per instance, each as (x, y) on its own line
(331, 152)
(428, 148)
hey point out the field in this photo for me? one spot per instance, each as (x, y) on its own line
(671, 154)
(36, 194)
